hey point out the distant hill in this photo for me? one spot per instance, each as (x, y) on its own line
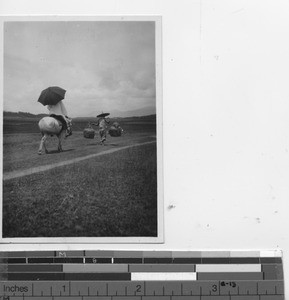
(20, 114)
(145, 111)
(26, 115)
(149, 118)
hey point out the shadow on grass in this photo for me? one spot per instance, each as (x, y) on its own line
(56, 151)
(102, 145)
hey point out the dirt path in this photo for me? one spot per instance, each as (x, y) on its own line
(16, 174)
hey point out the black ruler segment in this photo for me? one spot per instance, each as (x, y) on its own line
(187, 260)
(158, 260)
(40, 260)
(128, 260)
(16, 260)
(244, 260)
(53, 260)
(68, 260)
(35, 276)
(66, 276)
(140, 275)
(98, 276)
(216, 260)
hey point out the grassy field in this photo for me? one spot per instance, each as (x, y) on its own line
(112, 195)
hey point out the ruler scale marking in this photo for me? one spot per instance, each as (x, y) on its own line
(166, 275)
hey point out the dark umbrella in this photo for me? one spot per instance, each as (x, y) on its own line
(52, 95)
(103, 115)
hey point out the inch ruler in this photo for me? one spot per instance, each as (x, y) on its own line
(141, 275)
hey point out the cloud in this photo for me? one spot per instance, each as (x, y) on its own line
(100, 64)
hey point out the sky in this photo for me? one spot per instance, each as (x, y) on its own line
(105, 66)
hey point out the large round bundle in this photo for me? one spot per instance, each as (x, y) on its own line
(89, 133)
(113, 131)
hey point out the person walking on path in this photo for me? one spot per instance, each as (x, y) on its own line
(102, 122)
(59, 112)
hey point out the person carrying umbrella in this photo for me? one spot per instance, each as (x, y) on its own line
(102, 122)
(58, 111)
(52, 98)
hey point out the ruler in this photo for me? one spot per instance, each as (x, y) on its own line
(141, 275)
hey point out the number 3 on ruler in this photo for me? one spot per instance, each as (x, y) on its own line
(214, 288)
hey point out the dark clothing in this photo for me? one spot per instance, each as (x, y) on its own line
(61, 119)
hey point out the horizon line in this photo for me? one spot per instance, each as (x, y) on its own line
(41, 114)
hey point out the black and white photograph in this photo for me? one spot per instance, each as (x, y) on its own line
(82, 136)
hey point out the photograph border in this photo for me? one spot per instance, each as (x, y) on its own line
(159, 132)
